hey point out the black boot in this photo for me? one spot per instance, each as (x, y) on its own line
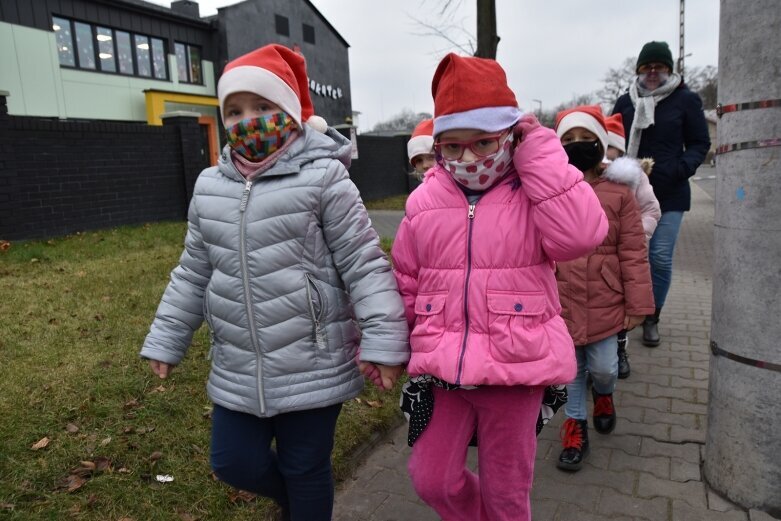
(623, 358)
(574, 439)
(604, 412)
(651, 330)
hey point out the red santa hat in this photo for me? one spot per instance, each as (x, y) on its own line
(472, 93)
(277, 74)
(615, 132)
(585, 116)
(422, 140)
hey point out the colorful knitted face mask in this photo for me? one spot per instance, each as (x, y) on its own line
(258, 138)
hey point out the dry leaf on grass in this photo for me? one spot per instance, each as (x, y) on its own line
(376, 404)
(41, 444)
(184, 516)
(156, 455)
(5, 245)
(73, 482)
(7, 506)
(72, 428)
(105, 441)
(241, 496)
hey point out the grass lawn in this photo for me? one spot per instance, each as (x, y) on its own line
(86, 428)
(395, 202)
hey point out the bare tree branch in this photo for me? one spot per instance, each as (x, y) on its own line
(442, 31)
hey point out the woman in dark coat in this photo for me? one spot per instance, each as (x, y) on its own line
(664, 120)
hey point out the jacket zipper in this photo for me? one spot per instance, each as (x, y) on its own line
(247, 297)
(470, 222)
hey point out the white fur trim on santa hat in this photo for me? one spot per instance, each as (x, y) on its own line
(262, 82)
(616, 141)
(318, 123)
(624, 170)
(419, 145)
(583, 120)
(487, 119)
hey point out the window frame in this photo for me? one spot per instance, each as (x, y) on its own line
(279, 18)
(115, 45)
(72, 41)
(304, 27)
(188, 63)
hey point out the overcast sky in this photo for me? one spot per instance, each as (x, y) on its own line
(551, 49)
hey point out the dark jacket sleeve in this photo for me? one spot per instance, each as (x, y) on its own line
(695, 135)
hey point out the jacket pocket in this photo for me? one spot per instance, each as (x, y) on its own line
(610, 278)
(207, 316)
(515, 325)
(317, 304)
(429, 321)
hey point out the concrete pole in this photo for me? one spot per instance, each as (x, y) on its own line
(743, 446)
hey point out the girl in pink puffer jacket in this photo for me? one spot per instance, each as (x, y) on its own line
(474, 260)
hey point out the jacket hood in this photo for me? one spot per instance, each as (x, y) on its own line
(309, 146)
(625, 171)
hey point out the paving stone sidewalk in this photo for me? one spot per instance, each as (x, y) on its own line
(649, 468)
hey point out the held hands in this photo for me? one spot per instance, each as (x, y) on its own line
(632, 321)
(383, 376)
(161, 369)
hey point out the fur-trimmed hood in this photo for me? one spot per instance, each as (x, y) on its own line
(624, 170)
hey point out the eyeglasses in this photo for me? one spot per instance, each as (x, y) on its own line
(652, 67)
(481, 147)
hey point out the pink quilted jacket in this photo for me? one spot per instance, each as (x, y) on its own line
(478, 281)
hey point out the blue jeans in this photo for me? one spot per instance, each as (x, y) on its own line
(660, 254)
(297, 475)
(601, 361)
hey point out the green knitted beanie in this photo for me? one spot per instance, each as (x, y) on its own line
(655, 52)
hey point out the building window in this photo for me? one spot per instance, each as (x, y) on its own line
(106, 57)
(124, 52)
(104, 49)
(141, 44)
(62, 33)
(283, 26)
(188, 63)
(309, 33)
(85, 50)
(158, 59)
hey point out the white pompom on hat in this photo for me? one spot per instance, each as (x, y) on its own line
(422, 140)
(277, 74)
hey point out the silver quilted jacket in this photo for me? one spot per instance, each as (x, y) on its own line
(289, 275)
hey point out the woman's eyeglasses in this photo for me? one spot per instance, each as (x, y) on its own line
(481, 147)
(652, 67)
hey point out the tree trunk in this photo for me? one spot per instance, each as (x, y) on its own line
(487, 39)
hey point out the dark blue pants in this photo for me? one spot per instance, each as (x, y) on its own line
(297, 475)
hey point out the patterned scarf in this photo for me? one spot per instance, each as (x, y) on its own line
(257, 138)
(645, 102)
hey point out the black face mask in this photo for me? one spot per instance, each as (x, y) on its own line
(584, 155)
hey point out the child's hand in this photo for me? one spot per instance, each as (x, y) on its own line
(383, 376)
(161, 369)
(632, 321)
(526, 124)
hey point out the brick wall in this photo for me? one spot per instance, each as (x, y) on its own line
(60, 177)
(381, 169)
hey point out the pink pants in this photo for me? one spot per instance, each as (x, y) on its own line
(506, 419)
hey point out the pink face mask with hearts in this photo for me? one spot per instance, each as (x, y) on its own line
(483, 173)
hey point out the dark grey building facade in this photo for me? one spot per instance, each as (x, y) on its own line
(297, 24)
